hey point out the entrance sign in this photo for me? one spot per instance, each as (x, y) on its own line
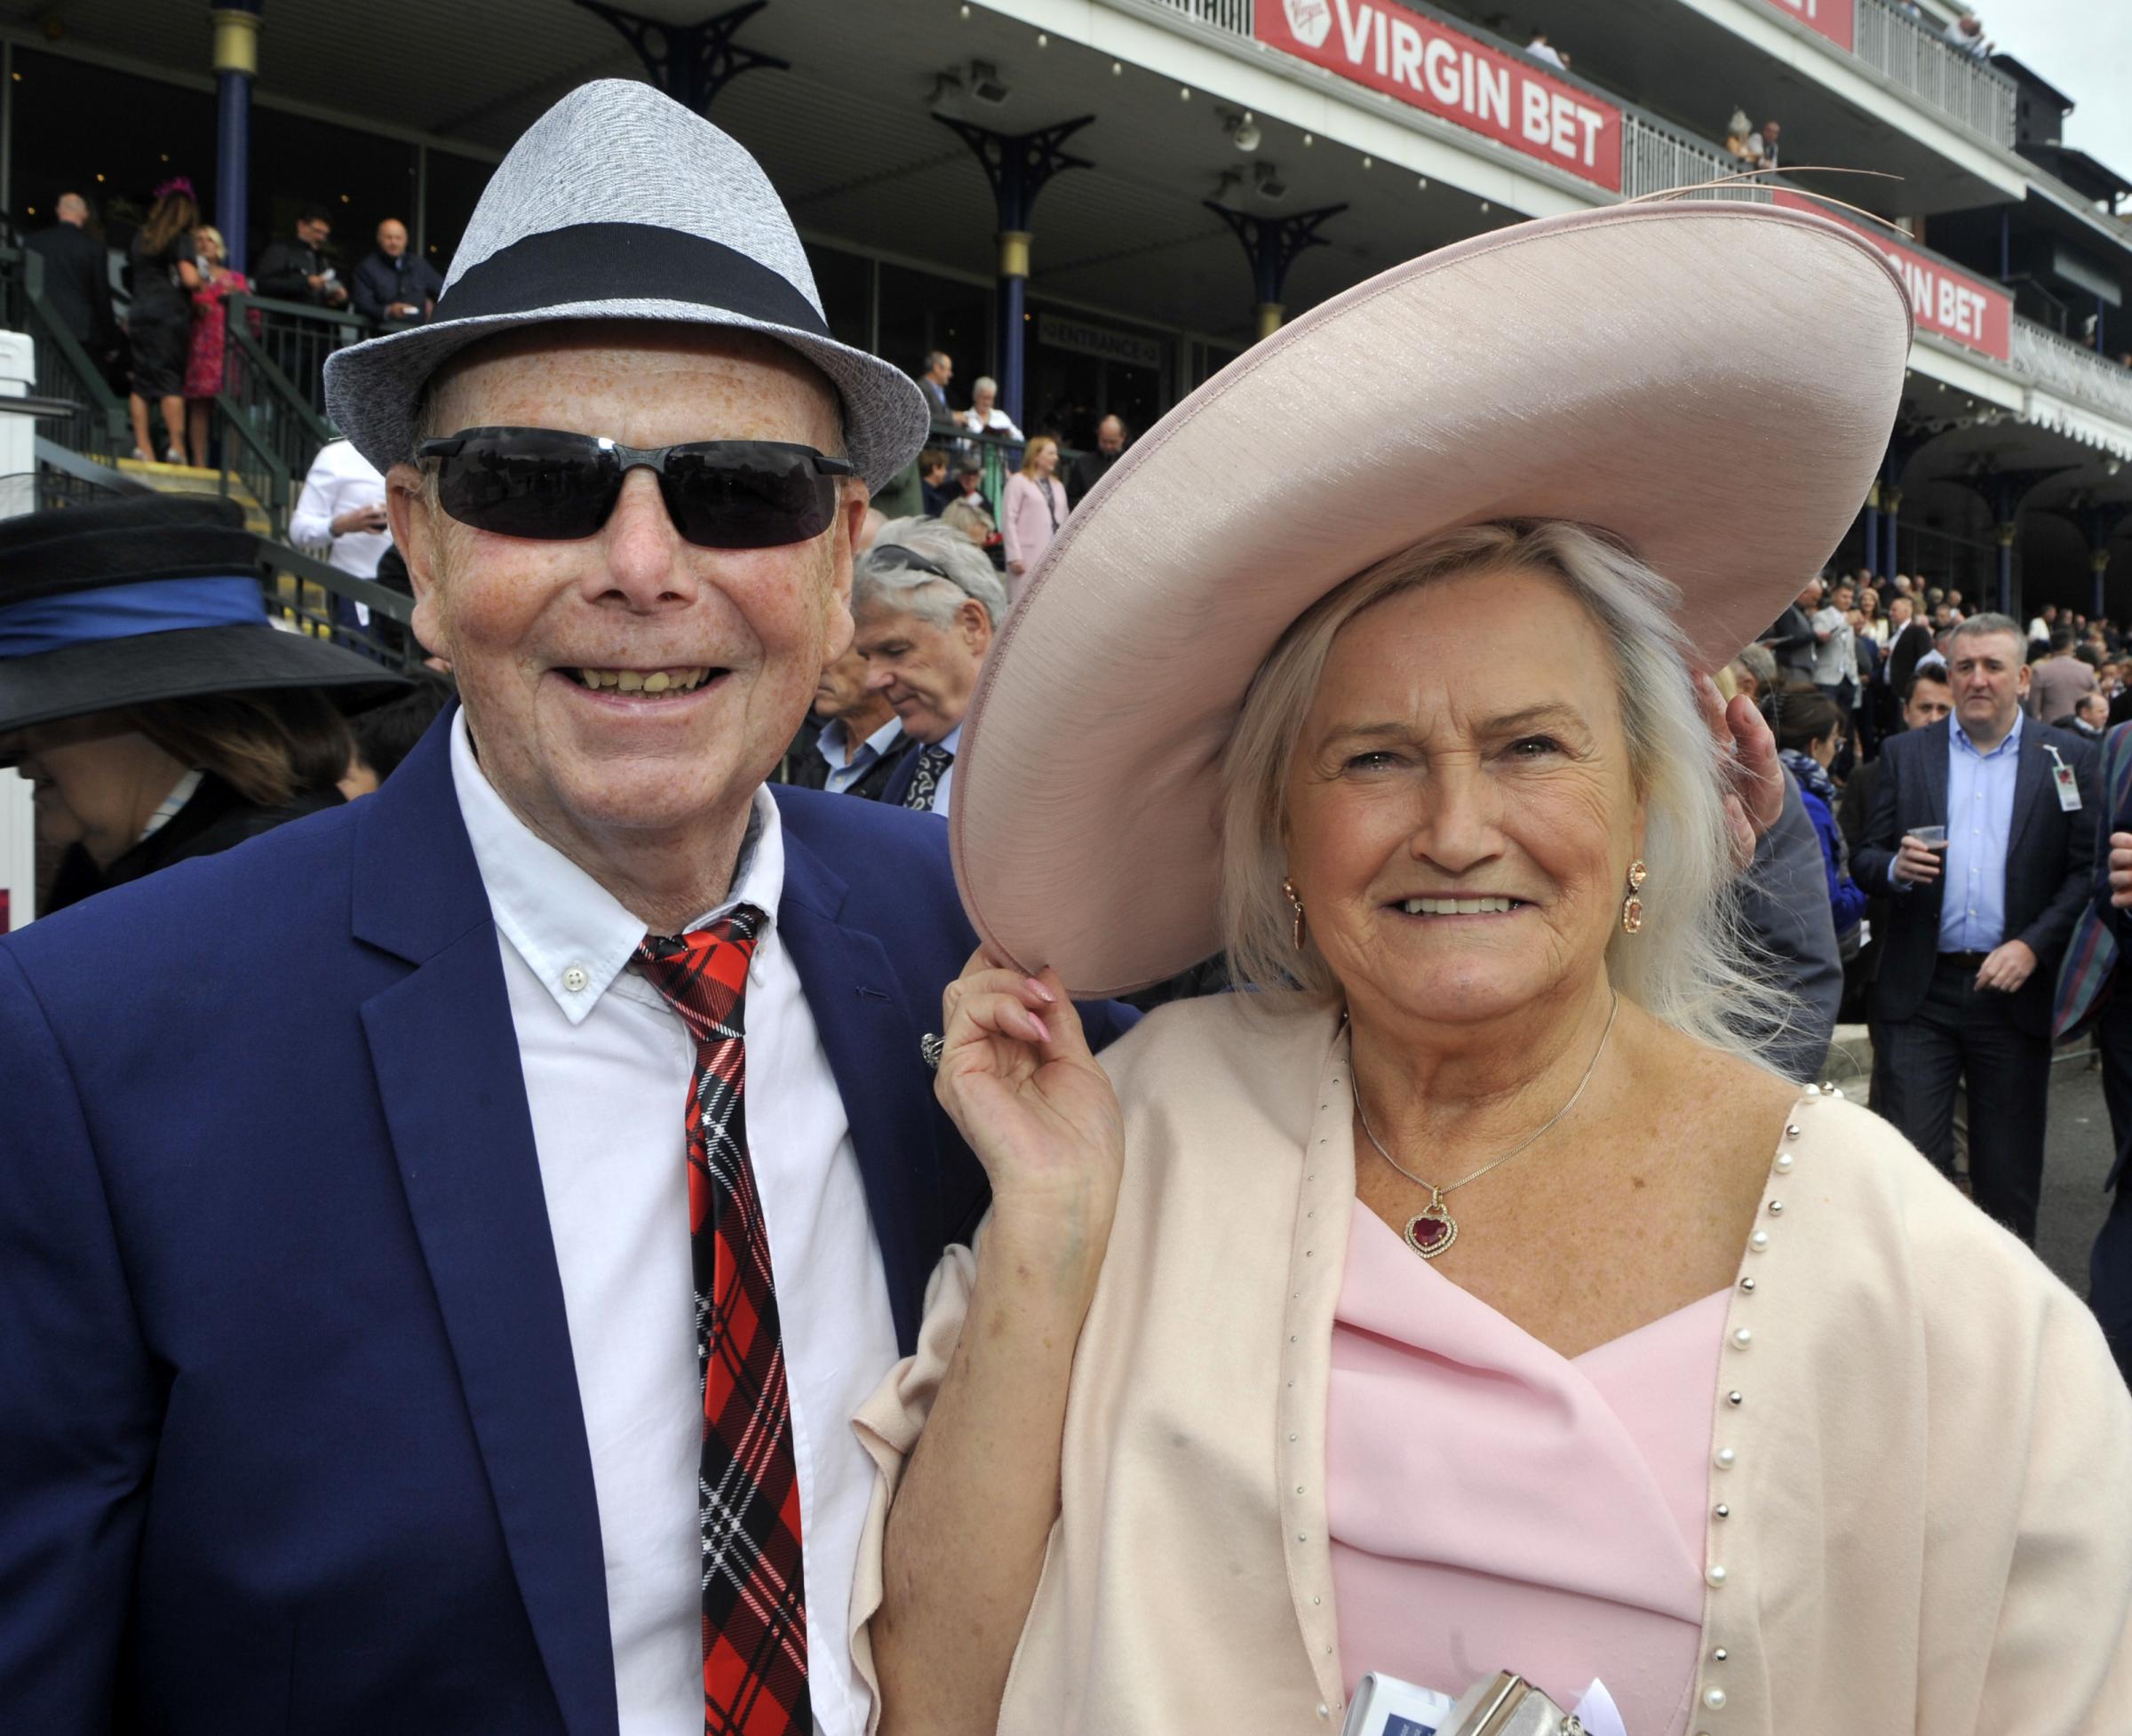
(1950, 304)
(1056, 332)
(1379, 44)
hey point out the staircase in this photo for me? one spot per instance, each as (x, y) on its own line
(191, 479)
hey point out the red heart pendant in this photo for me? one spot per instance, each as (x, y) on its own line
(1431, 1230)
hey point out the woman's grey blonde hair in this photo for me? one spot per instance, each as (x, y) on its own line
(1691, 966)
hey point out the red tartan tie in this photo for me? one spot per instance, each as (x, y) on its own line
(747, 1484)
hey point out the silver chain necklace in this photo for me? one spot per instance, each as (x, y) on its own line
(1432, 1230)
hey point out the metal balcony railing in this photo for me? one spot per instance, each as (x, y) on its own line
(1658, 160)
(1960, 86)
(2071, 369)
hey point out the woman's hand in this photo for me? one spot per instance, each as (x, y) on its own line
(1754, 774)
(1016, 1075)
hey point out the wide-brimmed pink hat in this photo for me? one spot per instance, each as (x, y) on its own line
(1712, 382)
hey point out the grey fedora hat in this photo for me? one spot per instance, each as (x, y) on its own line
(620, 203)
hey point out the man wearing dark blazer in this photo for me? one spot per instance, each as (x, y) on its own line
(2090, 997)
(939, 370)
(77, 276)
(1908, 640)
(1977, 926)
(443, 1243)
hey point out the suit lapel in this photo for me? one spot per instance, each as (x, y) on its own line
(446, 1055)
(872, 1040)
(2029, 781)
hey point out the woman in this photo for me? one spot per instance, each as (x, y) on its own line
(971, 519)
(156, 715)
(1471, 1296)
(211, 317)
(159, 323)
(1871, 624)
(1809, 734)
(1033, 510)
(984, 415)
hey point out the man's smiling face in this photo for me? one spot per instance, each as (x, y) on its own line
(630, 681)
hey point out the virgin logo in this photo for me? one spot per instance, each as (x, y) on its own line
(1309, 20)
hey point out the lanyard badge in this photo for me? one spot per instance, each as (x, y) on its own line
(2069, 788)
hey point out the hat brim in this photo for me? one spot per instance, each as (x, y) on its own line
(108, 675)
(1711, 383)
(373, 388)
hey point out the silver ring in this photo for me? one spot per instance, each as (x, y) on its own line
(932, 1047)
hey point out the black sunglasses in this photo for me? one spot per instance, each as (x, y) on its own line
(551, 486)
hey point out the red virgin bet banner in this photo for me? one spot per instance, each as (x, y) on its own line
(1950, 304)
(1837, 19)
(1448, 74)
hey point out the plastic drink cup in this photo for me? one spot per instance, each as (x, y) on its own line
(1933, 838)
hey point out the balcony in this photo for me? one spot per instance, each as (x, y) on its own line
(2072, 370)
(1958, 86)
(1656, 155)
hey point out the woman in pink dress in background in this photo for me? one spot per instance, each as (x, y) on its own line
(1034, 508)
(210, 314)
(1475, 1293)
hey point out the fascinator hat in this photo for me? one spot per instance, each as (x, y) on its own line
(619, 204)
(1595, 368)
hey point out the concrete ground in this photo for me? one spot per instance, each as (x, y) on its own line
(2077, 1154)
(2077, 1150)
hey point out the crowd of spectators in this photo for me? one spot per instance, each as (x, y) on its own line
(165, 342)
(1948, 759)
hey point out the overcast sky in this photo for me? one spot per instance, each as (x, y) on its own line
(2084, 47)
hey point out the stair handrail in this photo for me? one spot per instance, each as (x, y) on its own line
(80, 378)
(276, 498)
(240, 337)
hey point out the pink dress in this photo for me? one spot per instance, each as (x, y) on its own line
(211, 316)
(1494, 1506)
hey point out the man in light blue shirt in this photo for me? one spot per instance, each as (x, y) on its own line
(1979, 918)
(853, 739)
(848, 763)
(1980, 813)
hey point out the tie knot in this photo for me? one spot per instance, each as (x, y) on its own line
(703, 972)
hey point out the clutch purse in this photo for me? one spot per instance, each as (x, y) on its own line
(1507, 1705)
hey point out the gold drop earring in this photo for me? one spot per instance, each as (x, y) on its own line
(1632, 906)
(1295, 904)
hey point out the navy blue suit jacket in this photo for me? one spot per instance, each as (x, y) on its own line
(289, 1429)
(902, 770)
(2049, 857)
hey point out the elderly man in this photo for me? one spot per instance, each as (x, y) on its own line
(392, 285)
(444, 1243)
(77, 275)
(932, 381)
(1982, 839)
(855, 751)
(926, 603)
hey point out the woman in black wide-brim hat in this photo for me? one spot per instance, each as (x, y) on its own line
(146, 696)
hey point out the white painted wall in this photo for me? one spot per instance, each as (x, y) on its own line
(18, 456)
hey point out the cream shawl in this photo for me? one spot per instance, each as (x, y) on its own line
(1928, 1481)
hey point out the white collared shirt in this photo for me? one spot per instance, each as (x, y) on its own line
(340, 479)
(607, 1066)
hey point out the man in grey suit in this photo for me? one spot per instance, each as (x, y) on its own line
(1978, 918)
(940, 368)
